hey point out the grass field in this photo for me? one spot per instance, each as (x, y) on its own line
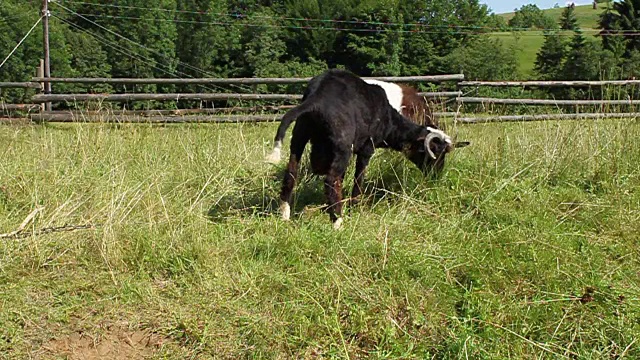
(526, 248)
(528, 43)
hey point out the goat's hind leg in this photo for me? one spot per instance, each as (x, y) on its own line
(298, 142)
(362, 161)
(333, 187)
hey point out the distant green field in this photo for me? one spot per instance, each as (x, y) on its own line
(587, 17)
(528, 43)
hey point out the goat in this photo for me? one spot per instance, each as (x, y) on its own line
(342, 115)
(404, 99)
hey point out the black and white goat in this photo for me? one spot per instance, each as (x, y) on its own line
(404, 99)
(341, 115)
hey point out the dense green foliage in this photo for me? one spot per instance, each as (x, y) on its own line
(622, 18)
(531, 16)
(233, 38)
(585, 57)
(283, 38)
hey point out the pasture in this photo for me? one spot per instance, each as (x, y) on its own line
(527, 247)
(528, 43)
(585, 14)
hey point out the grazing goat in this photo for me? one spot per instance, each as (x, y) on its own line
(342, 115)
(404, 99)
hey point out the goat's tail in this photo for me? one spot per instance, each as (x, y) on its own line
(287, 119)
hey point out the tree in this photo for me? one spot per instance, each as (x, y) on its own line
(530, 16)
(483, 58)
(498, 23)
(585, 60)
(204, 46)
(621, 19)
(377, 43)
(145, 40)
(550, 58)
(568, 20)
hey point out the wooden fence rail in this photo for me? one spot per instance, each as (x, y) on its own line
(238, 81)
(134, 116)
(11, 107)
(548, 83)
(507, 118)
(483, 100)
(41, 98)
(45, 117)
(24, 85)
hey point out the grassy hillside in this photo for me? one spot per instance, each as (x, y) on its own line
(526, 248)
(529, 43)
(587, 17)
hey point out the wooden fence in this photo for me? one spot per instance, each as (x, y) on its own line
(230, 114)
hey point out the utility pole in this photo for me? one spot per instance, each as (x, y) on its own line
(45, 38)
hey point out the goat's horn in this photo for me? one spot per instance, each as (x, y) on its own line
(435, 133)
(427, 143)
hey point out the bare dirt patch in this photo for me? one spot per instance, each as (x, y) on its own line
(115, 343)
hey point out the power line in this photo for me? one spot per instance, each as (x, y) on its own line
(133, 55)
(21, 41)
(140, 45)
(306, 19)
(245, 24)
(117, 47)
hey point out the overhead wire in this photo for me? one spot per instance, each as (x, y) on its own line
(145, 47)
(378, 30)
(117, 47)
(21, 41)
(237, 15)
(131, 54)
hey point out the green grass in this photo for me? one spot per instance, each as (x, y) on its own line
(489, 262)
(528, 43)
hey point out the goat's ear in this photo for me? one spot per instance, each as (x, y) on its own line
(461, 144)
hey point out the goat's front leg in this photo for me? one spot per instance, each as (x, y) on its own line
(362, 161)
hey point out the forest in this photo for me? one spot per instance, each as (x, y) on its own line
(272, 38)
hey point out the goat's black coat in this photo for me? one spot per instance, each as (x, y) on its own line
(341, 114)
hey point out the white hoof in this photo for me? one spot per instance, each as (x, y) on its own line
(285, 210)
(337, 224)
(274, 157)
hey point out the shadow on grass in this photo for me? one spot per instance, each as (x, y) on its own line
(259, 196)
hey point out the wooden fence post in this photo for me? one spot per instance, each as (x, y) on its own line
(40, 73)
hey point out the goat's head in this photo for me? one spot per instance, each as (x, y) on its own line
(429, 150)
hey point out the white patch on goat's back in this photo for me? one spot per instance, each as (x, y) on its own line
(285, 210)
(446, 137)
(393, 91)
